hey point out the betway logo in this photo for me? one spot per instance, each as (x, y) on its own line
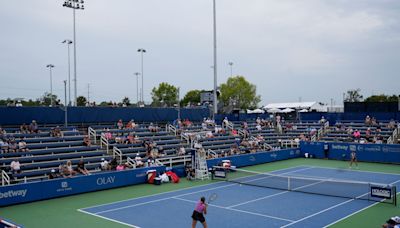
(12, 193)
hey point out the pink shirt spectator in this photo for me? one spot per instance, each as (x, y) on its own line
(120, 167)
(200, 206)
(357, 134)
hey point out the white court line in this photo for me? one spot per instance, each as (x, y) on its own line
(348, 170)
(330, 208)
(365, 208)
(189, 193)
(234, 209)
(112, 220)
(183, 189)
(276, 194)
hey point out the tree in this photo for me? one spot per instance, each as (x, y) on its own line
(46, 99)
(382, 98)
(126, 101)
(191, 97)
(164, 95)
(353, 96)
(81, 101)
(239, 93)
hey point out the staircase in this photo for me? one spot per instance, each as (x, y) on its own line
(201, 168)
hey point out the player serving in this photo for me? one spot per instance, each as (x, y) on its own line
(353, 159)
(199, 212)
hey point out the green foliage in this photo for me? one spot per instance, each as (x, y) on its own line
(353, 96)
(239, 93)
(382, 98)
(126, 101)
(46, 99)
(164, 95)
(81, 101)
(191, 97)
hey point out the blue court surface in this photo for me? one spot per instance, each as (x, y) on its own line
(248, 206)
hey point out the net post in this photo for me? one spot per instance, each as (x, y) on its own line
(395, 195)
(289, 183)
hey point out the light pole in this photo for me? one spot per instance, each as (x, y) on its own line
(74, 5)
(65, 104)
(137, 87)
(50, 66)
(231, 64)
(68, 42)
(141, 51)
(215, 59)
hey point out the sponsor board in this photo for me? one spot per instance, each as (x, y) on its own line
(381, 192)
(13, 193)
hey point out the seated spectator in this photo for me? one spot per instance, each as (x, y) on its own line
(322, 120)
(234, 132)
(367, 120)
(12, 145)
(356, 135)
(258, 127)
(53, 174)
(2, 132)
(161, 152)
(368, 134)
(57, 132)
(244, 125)
(33, 127)
(181, 150)
(349, 131)
(80, 168)
(86, 141)
(4, 146)
(209, 134)
(225, 122)
(24, 129)
(138, 160)
(129, 125)
(22, 146)
(113, 164)
(153, 128)
(104, 165)
(258, 121)
(70, 169)
(15, 166)
(392, 124)
(187, 123)
(120, 124)
(374, 122)
(108, 135)
(120, 167)
(204, 125)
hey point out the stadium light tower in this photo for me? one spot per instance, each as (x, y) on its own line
(141, 51)
(231, 64)
(68, 42)
(74, 5)
(215, 104)
(137, 87)
(50, 66)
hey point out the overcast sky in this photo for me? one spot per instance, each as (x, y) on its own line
(312, 49)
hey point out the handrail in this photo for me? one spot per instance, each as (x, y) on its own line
(185, 137)
(131, 162)
(117, 153)
(241, 132)
(393, 137)
(171, 128)
(267, 146)
(104, 140)
(213, 153)
(5, 178)
(314, 138)
(92, 133)
(170, 161)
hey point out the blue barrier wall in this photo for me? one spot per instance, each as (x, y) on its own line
(257, 158)
(47, 115)
(383, 153)
(22, 193)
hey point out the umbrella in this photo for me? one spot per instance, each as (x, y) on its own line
(303, 110)
(287, 110)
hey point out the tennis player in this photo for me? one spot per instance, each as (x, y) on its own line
(353, 159)
(199, 212)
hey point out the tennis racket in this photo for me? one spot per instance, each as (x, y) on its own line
(212, 198)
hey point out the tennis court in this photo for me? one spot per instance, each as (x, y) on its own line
(243, 205)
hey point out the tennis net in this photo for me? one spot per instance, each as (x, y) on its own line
(321, 186)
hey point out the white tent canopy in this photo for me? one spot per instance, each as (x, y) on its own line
(255, 111)
(287, 110)
(274, 110)
(297, 106)
(303, 110)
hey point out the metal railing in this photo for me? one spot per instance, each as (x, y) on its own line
(241, 132)
(393, 138)
(171, 161)
(213, 153)
(186, 137)
(266, 146)
(5, 179)
(104, 141)
(117, 153)
(289, 143)
(131, 162)
(92, 133)
(171, 128)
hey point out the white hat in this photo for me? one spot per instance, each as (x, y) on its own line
(102, 159)
(396, 219)
(53, 170)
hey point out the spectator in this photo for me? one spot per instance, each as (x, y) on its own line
(120, 124)
(70, 169)
(53, 174)
(234, 132)
(258, 127)
(138, 160)
(33, 127)
(187, 123)
(15, 166)
(161, 152)
(392, 124)
(153, 128)
(225, 122)
(108, 135)
(12, 145)
(368, 120)
(4, 146)
(181, 150)
(22, 146)
(120, 167)
(204, 125)
(80, 168)
(24, 129)
(130, 124)
(63, 170)
(104, 165)
(322, 120)
(86, 141)
(356, 135)
(113, 164)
